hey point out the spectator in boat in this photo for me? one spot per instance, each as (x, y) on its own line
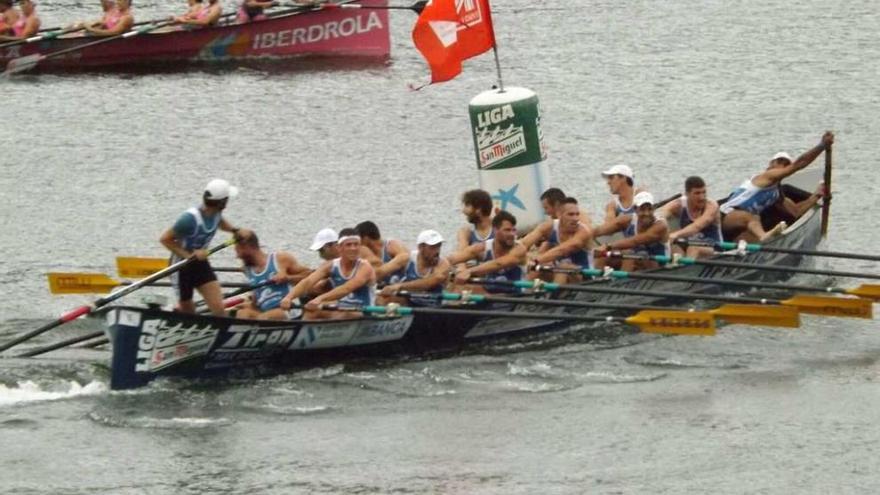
(190, 236)
(352, 280)
(476, 205)
(115, 21)
(620, 182)
(207, 16)
(252, 10)
(501, 259)
(644, 234)
(8, 17)
(278, 267)
(741, 212)
(388, 256)
(26, 25)
(565, 242)
(699, 219)
(425, 272)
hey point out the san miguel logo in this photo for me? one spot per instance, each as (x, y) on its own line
(496, 142)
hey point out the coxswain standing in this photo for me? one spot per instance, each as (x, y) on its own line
(643, 234)
(566, 242)
(741, 213)
(699, 219)
(500, 259)
(352, 280)
(115, 21)
(388, 257)
(190, 236)
(278, 270)
(425, 272)
(26, 25)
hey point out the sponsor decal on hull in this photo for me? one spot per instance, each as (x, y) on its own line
(316, 33)
(162, 344)
(242, 344)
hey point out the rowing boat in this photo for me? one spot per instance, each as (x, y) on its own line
(306, 31)
(150, 342)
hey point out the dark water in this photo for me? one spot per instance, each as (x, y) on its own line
(96, 166)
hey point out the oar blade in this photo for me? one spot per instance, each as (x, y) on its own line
(22, 64)
(868, 291)
(845, 307)
(674, 322)
(80, 283)
(139, 267)
(756, 314)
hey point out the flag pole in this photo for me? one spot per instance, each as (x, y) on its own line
(498, 68)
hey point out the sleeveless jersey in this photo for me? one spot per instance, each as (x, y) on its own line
(474, 237)
(411, 272)
(112, 18)
(511, 274)
(711, 232)
(269, 296)
(204, 231)
(19, 26)
(581, 257)
(751, 198)
(620, 210)
(653, 249)
(395, 277)
(364, 296)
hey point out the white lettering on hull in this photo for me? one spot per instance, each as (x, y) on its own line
(316, 33)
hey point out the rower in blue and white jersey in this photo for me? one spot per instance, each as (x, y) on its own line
(500, 259)
(388, 256)
(565, 242)
(190, 236)
(271, 274)
(477, 208)
(581, 257)
(644, 233)
(352, 280)
(741, 213)
(620, 183)
(426, 273)
(699, 220)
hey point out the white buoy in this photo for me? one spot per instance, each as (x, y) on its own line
(510, 151)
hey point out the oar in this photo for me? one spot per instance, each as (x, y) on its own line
(814, 305)
(675, 322)
(869, 291)
(62, 343)
(747, 314)
(685, 260)
(826, 199)
(54, 33)
(84, 310)
(754, 248)
(28, 62)
(100, 283)
(416, 7)
(136, 266)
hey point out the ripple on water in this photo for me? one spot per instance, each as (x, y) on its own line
(149, 422)
(29, 391)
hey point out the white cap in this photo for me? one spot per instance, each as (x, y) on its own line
(324, 237)
(219, 189)
(429, 237)
(643, 198)
(623, 170)
(784, 155)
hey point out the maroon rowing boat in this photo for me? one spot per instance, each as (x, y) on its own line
(309, 31)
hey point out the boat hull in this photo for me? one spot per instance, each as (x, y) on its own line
(332, 32)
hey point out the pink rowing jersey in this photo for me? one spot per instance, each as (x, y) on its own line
(112, 18)
(19, 26)
(203, 14)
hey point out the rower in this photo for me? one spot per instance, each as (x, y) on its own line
(551, 202)
(620, 183)
(477, 208)
(8, 17)
(699, 220)
(567, 242)
(279, 267)
(207, 16)
(26, 25)
(741, 213)
(115, 22)
(425, 272)
(190, 236)
(325, 243)
(194, 8)
(252, 10)
(643, 234)
(352, 278)
(388, 257)
(502, 258)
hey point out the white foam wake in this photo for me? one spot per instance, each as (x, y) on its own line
(29, 391)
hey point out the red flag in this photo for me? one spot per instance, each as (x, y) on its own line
(451, 31)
